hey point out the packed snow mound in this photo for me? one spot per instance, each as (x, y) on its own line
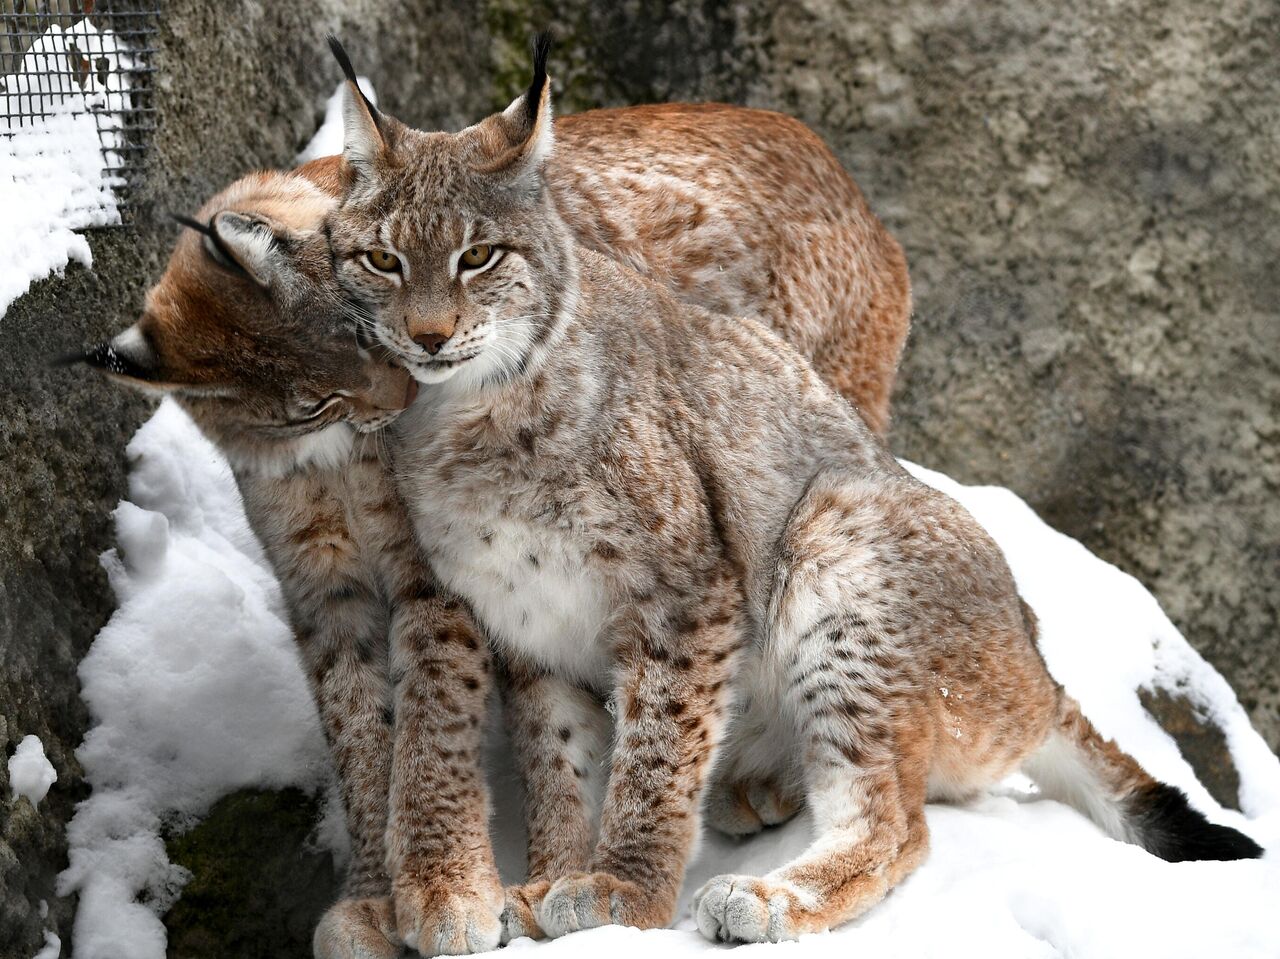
(195, 691)
(52, 157)
(30, 772)
(193, 685)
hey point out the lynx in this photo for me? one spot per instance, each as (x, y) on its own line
(670, 509)
(250, 333)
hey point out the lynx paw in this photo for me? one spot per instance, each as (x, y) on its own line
(588, 900)
(518, 913)
(357, 929)
(444, 917)
(746, 807)
(748, 909)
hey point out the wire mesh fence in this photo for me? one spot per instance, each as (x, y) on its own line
(66, 59)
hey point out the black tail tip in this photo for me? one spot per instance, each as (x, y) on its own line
(1171, 829)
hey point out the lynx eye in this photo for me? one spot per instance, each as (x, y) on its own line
(382, 261)
(476, 256)
(320, 406)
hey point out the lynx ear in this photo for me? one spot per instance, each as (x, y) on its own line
(364, 129)
(518, 140)
(250, 242)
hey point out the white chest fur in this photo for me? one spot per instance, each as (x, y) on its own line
(493, 541)
(530, 587)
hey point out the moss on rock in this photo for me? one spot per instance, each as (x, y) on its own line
(258, 885)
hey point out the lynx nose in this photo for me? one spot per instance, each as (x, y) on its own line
(431, 342)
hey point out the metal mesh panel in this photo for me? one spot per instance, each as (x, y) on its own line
(82, 57)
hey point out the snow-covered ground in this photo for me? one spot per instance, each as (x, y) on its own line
(195, 692)
(52, 181)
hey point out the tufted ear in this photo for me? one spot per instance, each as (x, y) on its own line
(516, 141)
(365, 131)
(249, 242)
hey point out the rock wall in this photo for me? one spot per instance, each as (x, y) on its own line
(1089, 196)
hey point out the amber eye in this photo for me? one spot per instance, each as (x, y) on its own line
(476, 256)
(384, 261)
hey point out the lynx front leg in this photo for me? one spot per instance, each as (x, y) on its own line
(341, 634)
(357, 929)
(447, 893)
(671, 702)
(560, 736)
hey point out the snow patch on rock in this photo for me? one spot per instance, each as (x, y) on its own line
(52, 179)
(194, 688)
(30, 773)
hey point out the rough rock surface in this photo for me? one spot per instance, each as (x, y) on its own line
(1089, 196)
(258, 884)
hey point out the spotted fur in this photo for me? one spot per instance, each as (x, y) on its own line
(249, 332)
(670, 509)
(250, 337)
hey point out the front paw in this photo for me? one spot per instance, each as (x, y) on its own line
(357, 929)
(444, 915)
(519, 911)
(587, 900)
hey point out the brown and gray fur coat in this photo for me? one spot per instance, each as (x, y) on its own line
(249, 332)
(670, 510)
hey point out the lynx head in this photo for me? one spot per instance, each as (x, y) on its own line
(250, 333)
(451, 240)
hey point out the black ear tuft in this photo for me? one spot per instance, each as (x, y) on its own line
(220, 251)
(541, 47)
(340, 54)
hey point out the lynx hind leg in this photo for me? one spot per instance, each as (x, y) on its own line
(867, 740)
(866, 779)
(357, 929)
(742, 807)
(756, 781)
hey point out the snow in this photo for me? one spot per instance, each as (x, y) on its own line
(193, 687)
(195, 692)
(328, 139)
(30, 773)
(52, 947)
(52, 181)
